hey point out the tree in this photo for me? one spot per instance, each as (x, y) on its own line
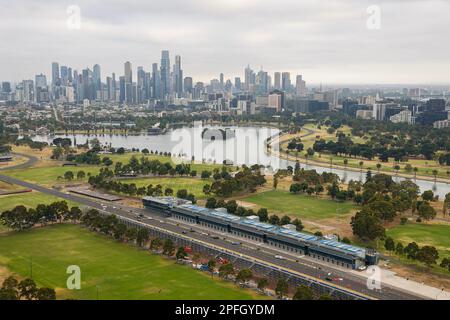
(298, 224)
(244, 275)
(207, 189)
(27, 289)
(155, 244)
(303, 293)
(81, 175)
(142, 237)
(211, 203)
(411, 250)
(211, 264)
(182, 194)
(389, 244)
(428, 195)
(168, 192)
(263, 214)
(181, 253)
(57, 153)
(399, 248)
(282, 288)
(226, 270)
(426, 211)
(428, 255)
(68, 175)
(367, 226)
(168, 247)
(263, 283)
(274, 219)
(46, 294)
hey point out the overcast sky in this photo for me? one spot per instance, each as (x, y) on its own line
(327, 41)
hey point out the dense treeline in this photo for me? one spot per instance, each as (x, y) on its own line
(385, 139)
(245, 180)
(26, 289)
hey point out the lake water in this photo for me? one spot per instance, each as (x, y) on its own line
(246, 146)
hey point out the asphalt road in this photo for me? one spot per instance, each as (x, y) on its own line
(250, 249)
(31, 160)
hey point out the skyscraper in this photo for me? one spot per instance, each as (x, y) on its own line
(178, 77)
(64, 75)
(285, 81)
(128, 78)
(156, 82)
(96, 77)
(249, 78)
(300, 86)
(277, 80)
(188, 85)
(55, 73)
(165, 72)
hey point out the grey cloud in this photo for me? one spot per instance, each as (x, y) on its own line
(325, 40)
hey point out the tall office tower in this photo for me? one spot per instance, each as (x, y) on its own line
(198, 90)
(128, 82)
(285, 81)
(147, 85)
(178, 77)
(87, 84)
(128, 72)
(140, 85)
(40, 81)
(69, 75)
(300, 86)
(108, 88)
(64, 75)
(122, 89)
(277, 81)
(188, 85)
(156, 82)
(96, 78)
(165, 72)
(28, 90)
(113, 88)
(249, 78)
(55, 73)
(237, 84)
(40, 90)
(221, 81)
(262, 82)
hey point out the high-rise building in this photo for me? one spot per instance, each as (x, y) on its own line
(285, 81)
(237, 84)
(156, 82)
(96, 77)
(165, 72)
(55, 73)
(178, 77)
(277, 81)
(249, 78)
(300, 86)
(128, 85)
(188, 85)
(64, 75)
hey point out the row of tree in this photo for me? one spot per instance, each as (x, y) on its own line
(426, 254)
(26, 289)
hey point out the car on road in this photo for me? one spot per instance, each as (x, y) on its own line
(362, 268)
(279, 257)
(329, 279)
(234, 243)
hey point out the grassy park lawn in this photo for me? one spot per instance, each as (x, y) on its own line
(437, 235)
(49, 175)
(30, 200)
(117, 270)
(301, 206)
(193, 185)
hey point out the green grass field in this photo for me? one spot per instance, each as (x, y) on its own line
(30, 200)
(193, 185)
(48, 175)
(301, 206)
(118, 270)
(437, 235)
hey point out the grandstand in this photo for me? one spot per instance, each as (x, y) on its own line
(295, 242)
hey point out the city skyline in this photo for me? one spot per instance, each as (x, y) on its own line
(341, 49)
